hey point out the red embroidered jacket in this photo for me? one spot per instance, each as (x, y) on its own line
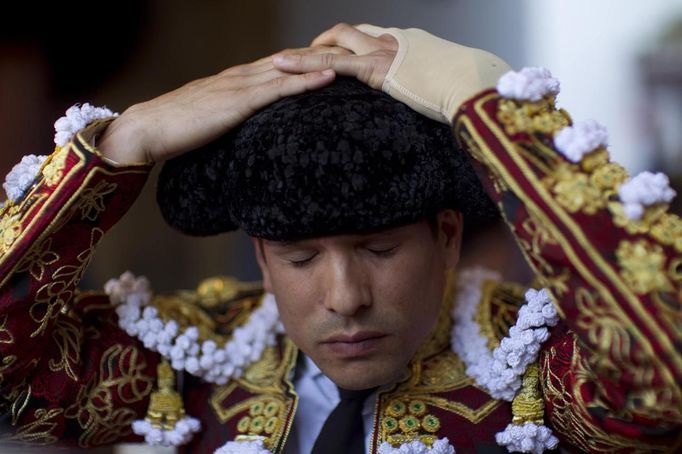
(610, 373)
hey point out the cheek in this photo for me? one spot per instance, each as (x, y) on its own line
(296, 300)
(415, 288)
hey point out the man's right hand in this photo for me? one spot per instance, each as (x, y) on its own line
(203, 110)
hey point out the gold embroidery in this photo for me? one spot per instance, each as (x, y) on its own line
(541, 237)
(596, 159)
(623, 299)
(265, 415)
(6, 206)
(120, 378)
(7, 362)
(409, 424)
(39, 257)
(575, 192)
(217, 307)
(182, 308)
(571, 414)
(91, 202)
(396, 408)
(53, 168)
(10, 228)
(48, 198)
(534, 117)
(474, 415)
(12, 398)
(417, 408)
(430, 423)
(5, 334)
(19, 404)
(498, 309)
(68, 337)
(55, 294)
(668, 230)
(434, 369)
(214, 291)
(39, 431)
(539, 154)
(606, 333)
(634, 226)
(442, 371)
(642, 264)
(270, 409)
(403, 422)
(608, 177)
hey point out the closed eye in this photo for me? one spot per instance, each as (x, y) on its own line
(301, 262)
(383, 251)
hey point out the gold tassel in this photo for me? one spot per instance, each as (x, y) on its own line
(165, 404)
(528, 405)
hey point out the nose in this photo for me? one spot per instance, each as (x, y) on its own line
(347, 286)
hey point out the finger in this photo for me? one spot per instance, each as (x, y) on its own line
(348, 37)
(342, 64)
(265, 63)
(321, 49)
(361, 67)
(264, 94)
(259, 78)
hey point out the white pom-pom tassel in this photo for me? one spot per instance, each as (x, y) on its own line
(644, 190)
(76, 118)
(528, 437)
(131, 295)
(499, 372)
(19, 179)
(576, 141)
(440, 446)
(183, 432)
(243, 447)
(529, 84)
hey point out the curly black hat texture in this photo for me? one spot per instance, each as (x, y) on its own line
(342, 159)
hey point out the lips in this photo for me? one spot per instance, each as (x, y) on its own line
(354, 345)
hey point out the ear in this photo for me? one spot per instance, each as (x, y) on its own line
(262, 263)
(450, 228)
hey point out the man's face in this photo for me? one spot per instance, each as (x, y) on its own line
(360, 305)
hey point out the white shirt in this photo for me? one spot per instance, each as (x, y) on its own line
(317, 398)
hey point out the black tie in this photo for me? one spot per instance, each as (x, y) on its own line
(343, 431)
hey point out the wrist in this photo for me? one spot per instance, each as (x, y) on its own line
(120, 142)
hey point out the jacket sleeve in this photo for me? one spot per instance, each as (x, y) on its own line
(612, 369)
(68, 373)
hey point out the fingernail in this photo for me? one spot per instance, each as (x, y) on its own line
(328, 72)
(279, 59)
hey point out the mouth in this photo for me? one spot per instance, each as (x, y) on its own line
(354, 345)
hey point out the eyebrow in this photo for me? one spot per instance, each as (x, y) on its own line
(285, 243)
(364, 237)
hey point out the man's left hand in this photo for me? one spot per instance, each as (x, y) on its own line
(369, 63)
(431, 75)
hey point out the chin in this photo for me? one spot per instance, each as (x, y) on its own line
(365, 375)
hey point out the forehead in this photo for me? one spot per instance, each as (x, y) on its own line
(401, 233)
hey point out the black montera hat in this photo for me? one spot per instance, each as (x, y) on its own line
(342, 159)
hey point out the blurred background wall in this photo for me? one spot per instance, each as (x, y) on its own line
(619, 61)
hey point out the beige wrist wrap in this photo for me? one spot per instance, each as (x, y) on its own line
(434, 76)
